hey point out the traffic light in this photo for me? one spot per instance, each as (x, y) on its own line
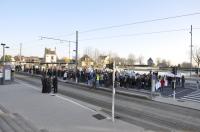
(109, 66)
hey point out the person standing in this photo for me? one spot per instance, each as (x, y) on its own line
(97, 79)
(65, 75)
(162, 83)
(94, 80)
(183, 81)
(48, 84)
(43, 84)
(55, 84)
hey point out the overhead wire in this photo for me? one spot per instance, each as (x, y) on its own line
(71, 34)
(136, 34)
(139, 22)
(133, 23)
(129, 24)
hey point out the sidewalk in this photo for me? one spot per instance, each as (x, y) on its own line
(57, 113)
(13, 122)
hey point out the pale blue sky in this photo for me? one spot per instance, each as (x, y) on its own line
(23, 21)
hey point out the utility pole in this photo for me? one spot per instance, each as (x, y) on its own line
(191, 53)
(69, 49)
(20, 53)
(76, 55)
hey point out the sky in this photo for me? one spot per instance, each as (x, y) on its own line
(24, 21)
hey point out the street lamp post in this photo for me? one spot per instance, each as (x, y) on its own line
(4, 46)
(3, 52)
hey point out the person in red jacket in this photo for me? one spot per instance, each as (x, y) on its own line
(162, 83)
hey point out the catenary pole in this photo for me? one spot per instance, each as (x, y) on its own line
(20, 53)
(191, 53)
(76, 55)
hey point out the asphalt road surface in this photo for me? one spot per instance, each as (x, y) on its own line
(144, 113)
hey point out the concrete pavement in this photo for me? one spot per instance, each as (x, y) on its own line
(13, 122)
(57, 113)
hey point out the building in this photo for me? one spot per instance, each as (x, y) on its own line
(103, 60)
(50, 56)
(150, 62)
(86, 61)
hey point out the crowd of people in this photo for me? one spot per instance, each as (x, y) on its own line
(104, 78)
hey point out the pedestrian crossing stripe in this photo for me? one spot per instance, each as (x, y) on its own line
(191, 100)
(194, 96)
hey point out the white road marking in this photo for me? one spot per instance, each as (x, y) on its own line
(195, 94)
(190, 99)
(76, 103)
(28, 85)
(179, 92)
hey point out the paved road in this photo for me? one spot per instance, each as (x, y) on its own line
(145, 113)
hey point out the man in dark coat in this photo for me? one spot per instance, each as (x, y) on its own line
(55, 84)
(183, 81)
(48, 85)
(43, 84)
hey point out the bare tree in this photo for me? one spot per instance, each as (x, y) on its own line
(196, 57)
(95, 55)
(112, 54)
(185, 65)
(168, 63)
(123, 61)
(164, 63)
(131, 59)
(140, 60)
(158, 61)
(117, 60)
(88, 51)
